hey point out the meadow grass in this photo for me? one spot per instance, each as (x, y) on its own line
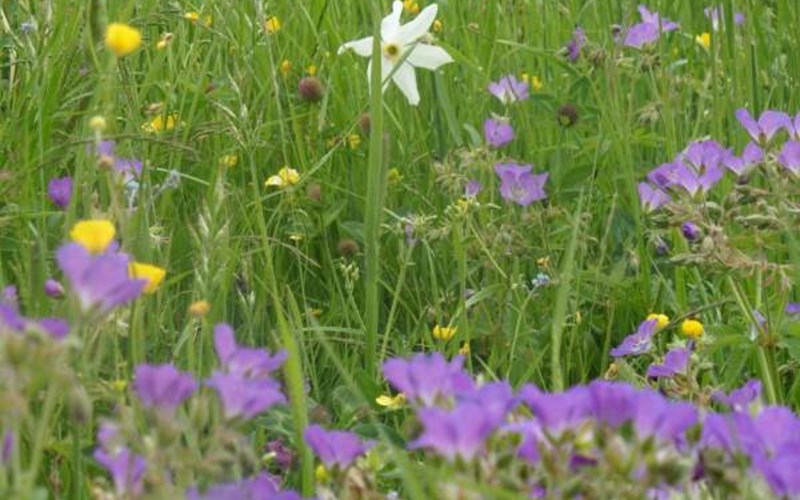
(324, 268)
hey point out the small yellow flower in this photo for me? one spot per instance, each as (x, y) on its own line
(692, 328)
(391, 402)
(444, 332)
(321, 474)
(534, 81)
(465, 349)
(199, 308)
(166, 38)
(97, 123)
(311, 70)
(229, 161)
(411, 6)
(437, 26)
(395, 176)
(122, 39)
(543, 261)
(284, 178)
(703, 40)
(354, 140)
(662, 320)
(153, 274)
(160, 123)
(93, 235)
(272, 25)
(286, 67)
(193, 17)
(119, 385)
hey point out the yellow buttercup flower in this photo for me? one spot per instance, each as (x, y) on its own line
(692, 328)
(93, 235)
(465, 349)
(703, 40)
(122, 39)
(199, 308)
(286, 67)
(437, 26)
(161, 123)
(444, 332)
(534, 81)
(166, 38)
(153, 274)
(354, 140)
(662, 320)
(284, 178)
(229, 161)
(411, 6)
(311, 70)
(391, 402)
(272, 25)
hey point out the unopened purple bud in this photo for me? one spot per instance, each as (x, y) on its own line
(60, 191)
(690, 231)
(53, 289)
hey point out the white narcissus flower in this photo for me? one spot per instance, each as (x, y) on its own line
(396, 41)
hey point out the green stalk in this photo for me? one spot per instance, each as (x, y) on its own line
(374, 200)
(766, 359)
(560, 309)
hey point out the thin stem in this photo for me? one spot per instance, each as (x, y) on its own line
(374, 201)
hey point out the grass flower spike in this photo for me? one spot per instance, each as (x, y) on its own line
(122, 39)
(93, 235)
(396, 41)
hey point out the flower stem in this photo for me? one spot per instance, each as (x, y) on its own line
(374, 201)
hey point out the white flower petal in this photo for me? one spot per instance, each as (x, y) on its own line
(362, 47)
(391, 23)
(428, 56)
(414, 30)
(406, 81)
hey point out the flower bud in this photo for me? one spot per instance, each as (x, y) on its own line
(567, 115)
(53, 289)
(310, 89)
(690, 231)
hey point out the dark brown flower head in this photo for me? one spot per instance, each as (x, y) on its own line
(348, 248)
(310, 89)
(567, 115)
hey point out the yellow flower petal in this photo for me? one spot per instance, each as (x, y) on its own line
(692, 328)
(703, 40)
(285, 177)
(161, 123)
(391, 402)
(93, 235)
(444, 332)
(662, 320)
(153, 274)
(122, 39)
(199, 308)
(272, 25)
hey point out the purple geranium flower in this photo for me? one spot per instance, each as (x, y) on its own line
(690, 231)
(655, 416)
(649, 30)
(245, 397)
(663, 176)
(639, 342)
(751, 156)
(557, 411)
(473, 188)
(334, 448)
(244, 361)
(789, 156)
(652, 198)
(675, 362)
(576, 44)
(716, 15)
(60, 191)
(163, 387)
(460, 432)
(741, 398)
(794, 127)
(519, 184)
(509, 90)
(612, 403)
(769, 123)
(261, 487)
(128, 168)
(497, 133)
(7, 447)
(792, 308)
(53, 289)
(427, 377)
(100, 282)
(126, 468)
